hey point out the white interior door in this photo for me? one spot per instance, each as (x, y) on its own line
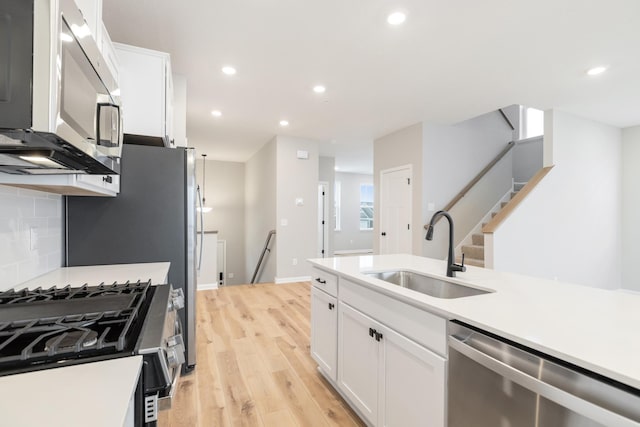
(395, 210)
(323, 220)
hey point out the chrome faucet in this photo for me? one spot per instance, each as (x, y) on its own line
(452, 267)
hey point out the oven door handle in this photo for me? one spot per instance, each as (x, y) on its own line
(555, 394)
(165, 402)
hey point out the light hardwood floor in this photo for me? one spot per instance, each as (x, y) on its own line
(253, 365)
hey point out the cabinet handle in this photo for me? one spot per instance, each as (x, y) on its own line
(331, 305)
(372, 332)
(319, 280)
(378, 336)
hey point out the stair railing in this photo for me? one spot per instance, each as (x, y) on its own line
(475, 180)
(264, 251)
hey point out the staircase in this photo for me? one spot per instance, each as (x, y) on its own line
(474, 253)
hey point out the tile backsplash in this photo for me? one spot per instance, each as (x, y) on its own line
(31, 234)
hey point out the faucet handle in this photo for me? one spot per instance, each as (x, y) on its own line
(459, 267)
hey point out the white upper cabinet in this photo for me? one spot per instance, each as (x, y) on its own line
(92, 13)
(146, 88)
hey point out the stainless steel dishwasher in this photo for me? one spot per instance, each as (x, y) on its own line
(497, 383)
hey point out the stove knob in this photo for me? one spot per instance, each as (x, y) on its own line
(175, 351)
(177, 299)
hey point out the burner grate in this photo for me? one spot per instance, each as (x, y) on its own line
(45, 325)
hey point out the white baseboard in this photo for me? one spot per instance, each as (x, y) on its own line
(207, 286)
(279, 280)
(347, 252)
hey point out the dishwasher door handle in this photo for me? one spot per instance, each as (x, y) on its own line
(555, 394)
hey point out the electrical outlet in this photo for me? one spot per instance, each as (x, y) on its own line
(431, 206)
(284, 222)
(294, 261)
(230, 276)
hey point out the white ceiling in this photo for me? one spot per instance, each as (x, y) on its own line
(451, 60)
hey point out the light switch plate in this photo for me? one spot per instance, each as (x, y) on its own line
(299, 201)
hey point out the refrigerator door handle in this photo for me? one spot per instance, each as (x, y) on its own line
(201, 228)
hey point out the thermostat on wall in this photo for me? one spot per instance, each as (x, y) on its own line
(303, 154)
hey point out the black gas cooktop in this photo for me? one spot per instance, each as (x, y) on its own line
(41, 328)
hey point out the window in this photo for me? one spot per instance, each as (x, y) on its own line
(531, 122)
(336, 204)
(366, 207)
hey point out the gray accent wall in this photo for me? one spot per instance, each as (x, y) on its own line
(453, 156)
(527, 158)
(630, 207)
(297, 206)
(225, 193)
(260, 210)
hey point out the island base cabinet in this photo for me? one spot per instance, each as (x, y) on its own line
(391, 380)
(358, 366)
(324, 330)
(412, 384)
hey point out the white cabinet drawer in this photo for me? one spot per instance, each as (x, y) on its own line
(326, 281)
(422, 327)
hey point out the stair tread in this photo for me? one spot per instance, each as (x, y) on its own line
(471, 261)
(473, 246)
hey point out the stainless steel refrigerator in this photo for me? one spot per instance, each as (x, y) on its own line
(153, 219)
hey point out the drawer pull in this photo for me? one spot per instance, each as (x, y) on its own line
(319, 280)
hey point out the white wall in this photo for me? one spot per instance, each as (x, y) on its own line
(527, 158)
(630, 207)
(350, 237)
(296, 179)
(260, 210)
(453, 156)
(20, 211)
(180, 110)
(225, 193)
(569, 226)
(403, 147)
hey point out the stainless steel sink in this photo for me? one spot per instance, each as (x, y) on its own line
(427, 285)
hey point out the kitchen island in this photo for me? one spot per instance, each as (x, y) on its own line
(593, 329)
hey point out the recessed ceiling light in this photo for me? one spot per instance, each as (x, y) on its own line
(396, 18)
(336, 168)
(284, 123)
(596, 70)
(228, 70)
(319, 89)
(216, 113)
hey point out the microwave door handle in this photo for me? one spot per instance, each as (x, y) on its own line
(101, 105)
(555, 394)
(201, 228)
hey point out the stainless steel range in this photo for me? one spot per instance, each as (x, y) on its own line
(56, 327)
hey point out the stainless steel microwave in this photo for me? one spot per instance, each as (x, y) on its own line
(60, 108)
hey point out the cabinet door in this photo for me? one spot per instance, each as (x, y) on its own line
(324, 331)
(358, 360)
(412, 384)
(143, 89)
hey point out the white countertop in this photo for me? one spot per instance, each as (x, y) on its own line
(593, 328)
(92, 394)
(96, 274)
